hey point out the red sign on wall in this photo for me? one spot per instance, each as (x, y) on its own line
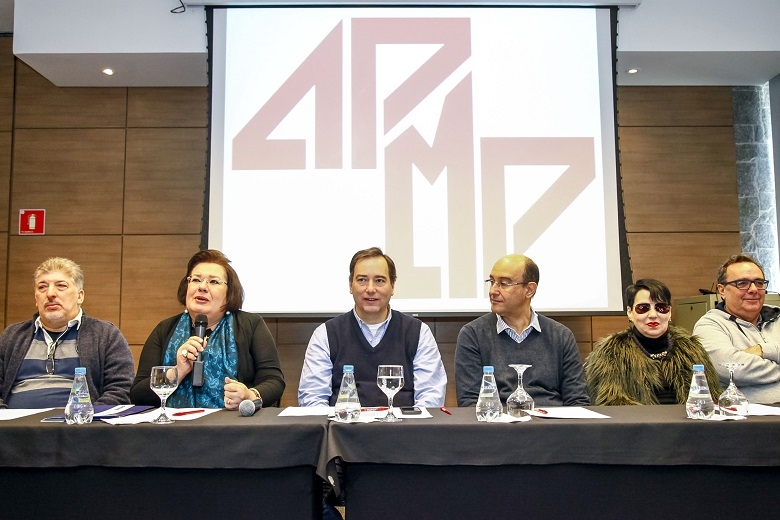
(32, 221)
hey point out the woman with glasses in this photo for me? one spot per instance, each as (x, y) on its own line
(236, 359)
(651, 361)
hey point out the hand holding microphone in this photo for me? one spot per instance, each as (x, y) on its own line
(201, 323)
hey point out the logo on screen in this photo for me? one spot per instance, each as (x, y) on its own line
(385, 132)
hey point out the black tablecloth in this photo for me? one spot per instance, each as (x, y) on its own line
(645, 463)
(223, 439)
(636, 435)
(219, 466)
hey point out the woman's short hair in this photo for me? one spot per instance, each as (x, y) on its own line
(658, 290)
(69, 267)
(372, 252)
(736, 259)
(235, 291)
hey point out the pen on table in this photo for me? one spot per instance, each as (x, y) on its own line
(179, 414)
(540, 411)
(445, 410)
(375, 409)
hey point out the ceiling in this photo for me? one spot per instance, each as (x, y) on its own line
(658, 66)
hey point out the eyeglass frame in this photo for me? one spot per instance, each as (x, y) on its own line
(755, 282)
(668, 307)
(213, 282)
(503, 286)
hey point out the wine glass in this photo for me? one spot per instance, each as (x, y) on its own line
(390, 379)
(732, 402)
(520, 401)
(164, 380)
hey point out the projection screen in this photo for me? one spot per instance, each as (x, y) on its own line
(447, 136)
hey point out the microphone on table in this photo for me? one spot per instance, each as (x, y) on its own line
(248, 407)
(201, 322)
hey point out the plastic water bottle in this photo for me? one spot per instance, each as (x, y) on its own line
(699, 404)
(488, 403)
(79, 409)
(348, 404)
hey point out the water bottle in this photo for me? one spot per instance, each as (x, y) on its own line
(348, 404)
(79, 409)
(699, 404)
(489, 403)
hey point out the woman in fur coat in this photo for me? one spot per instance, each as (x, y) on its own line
(651, 362)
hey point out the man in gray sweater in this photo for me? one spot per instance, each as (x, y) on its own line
(38, 357)
(514, 333)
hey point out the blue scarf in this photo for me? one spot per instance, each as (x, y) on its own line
(220, 359)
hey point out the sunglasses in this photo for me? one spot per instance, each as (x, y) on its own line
(660, 308)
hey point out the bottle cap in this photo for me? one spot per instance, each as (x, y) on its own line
(81, 370)
(488, 369)
(698, 367)
(349, 368)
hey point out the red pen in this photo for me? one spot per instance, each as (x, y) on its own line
(540, 411)
(375, 409)
(179, 414)
(445, 411)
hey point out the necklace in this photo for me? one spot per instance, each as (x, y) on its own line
(657, 355)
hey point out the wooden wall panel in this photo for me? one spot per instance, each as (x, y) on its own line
(6, 84)
(603, 326)
(679, 179)
(99, 256)
(166, 180)
(3, 267)
(152, 267)
(41, 104)
(675, 106)
(76, 175)
(5, 178)
(167, 107)
(686, 262)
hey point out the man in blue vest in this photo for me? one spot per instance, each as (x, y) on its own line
(369, 335)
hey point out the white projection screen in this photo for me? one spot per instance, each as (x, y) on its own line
(447, 136)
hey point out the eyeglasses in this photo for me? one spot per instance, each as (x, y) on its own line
(644, 308)
(743, 284)
(50, 363)
(214, 282)
(502, 285)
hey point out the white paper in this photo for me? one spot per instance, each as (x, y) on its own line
(154, 414)
(762, 409)
(566, 412)
(7, 414)
(302, 411)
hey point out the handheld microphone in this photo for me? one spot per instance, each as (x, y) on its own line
(201, 322)
(249, 407)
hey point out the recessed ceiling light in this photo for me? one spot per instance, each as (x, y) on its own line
(108, 72)
(632, 71)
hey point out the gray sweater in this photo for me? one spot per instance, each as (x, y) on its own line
(102, 350)
(556, 377)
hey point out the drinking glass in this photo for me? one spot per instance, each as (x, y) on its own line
(732, 402)
(520, 401)
(390, 379)
(164, 380)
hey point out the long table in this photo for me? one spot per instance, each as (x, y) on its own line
(645, 462)
(219, 466)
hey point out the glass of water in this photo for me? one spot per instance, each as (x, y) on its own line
(390, 379)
